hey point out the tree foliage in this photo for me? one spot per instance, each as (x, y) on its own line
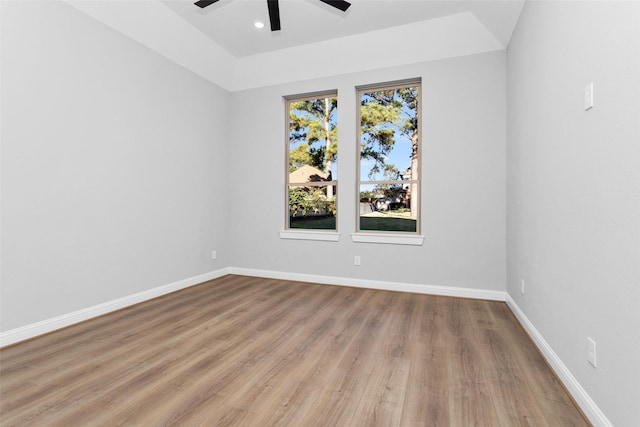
(312, 126)
(382, 114)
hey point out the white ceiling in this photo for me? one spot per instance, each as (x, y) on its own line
(221, 44)
(230, 22)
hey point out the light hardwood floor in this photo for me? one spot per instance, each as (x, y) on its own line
(241, 351)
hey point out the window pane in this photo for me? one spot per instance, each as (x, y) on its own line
(389, 158)
(389, 134)
(385, 207)
(312, 158)
(311, 208)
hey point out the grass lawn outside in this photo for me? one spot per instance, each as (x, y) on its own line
(387, 224)
(313, 223)
(376, 221)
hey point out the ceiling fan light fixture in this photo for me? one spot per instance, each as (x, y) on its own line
(274, 10)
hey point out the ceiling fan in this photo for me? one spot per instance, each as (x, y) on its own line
(274, 10)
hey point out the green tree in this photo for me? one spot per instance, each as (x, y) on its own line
(378, 112)
(299, 156)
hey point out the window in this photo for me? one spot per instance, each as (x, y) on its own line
(389, 158)
(312, 153)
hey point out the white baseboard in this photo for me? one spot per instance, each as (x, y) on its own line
(34, 329)
(582, 398)
(451, 291)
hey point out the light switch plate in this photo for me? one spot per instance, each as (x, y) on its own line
(591, 352)
(588, 96)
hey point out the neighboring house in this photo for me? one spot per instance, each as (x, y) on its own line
(307, 173)
(318, 207)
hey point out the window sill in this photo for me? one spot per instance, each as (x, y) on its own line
(326, 236)
(389, 239)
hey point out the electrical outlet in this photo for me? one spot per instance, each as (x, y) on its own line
(214, 254)
(356, 260)
(522, 286)
(591, 351)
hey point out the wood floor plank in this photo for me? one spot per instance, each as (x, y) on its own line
(245, 351)
(508, 384)
(470, 400)
(382, 402)
(428, 370)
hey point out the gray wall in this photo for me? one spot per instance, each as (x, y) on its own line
(574, 190)
(463, 192)
(113, 165)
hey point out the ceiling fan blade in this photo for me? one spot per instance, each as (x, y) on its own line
(204, 3)
(338, 4)
(274, 14)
